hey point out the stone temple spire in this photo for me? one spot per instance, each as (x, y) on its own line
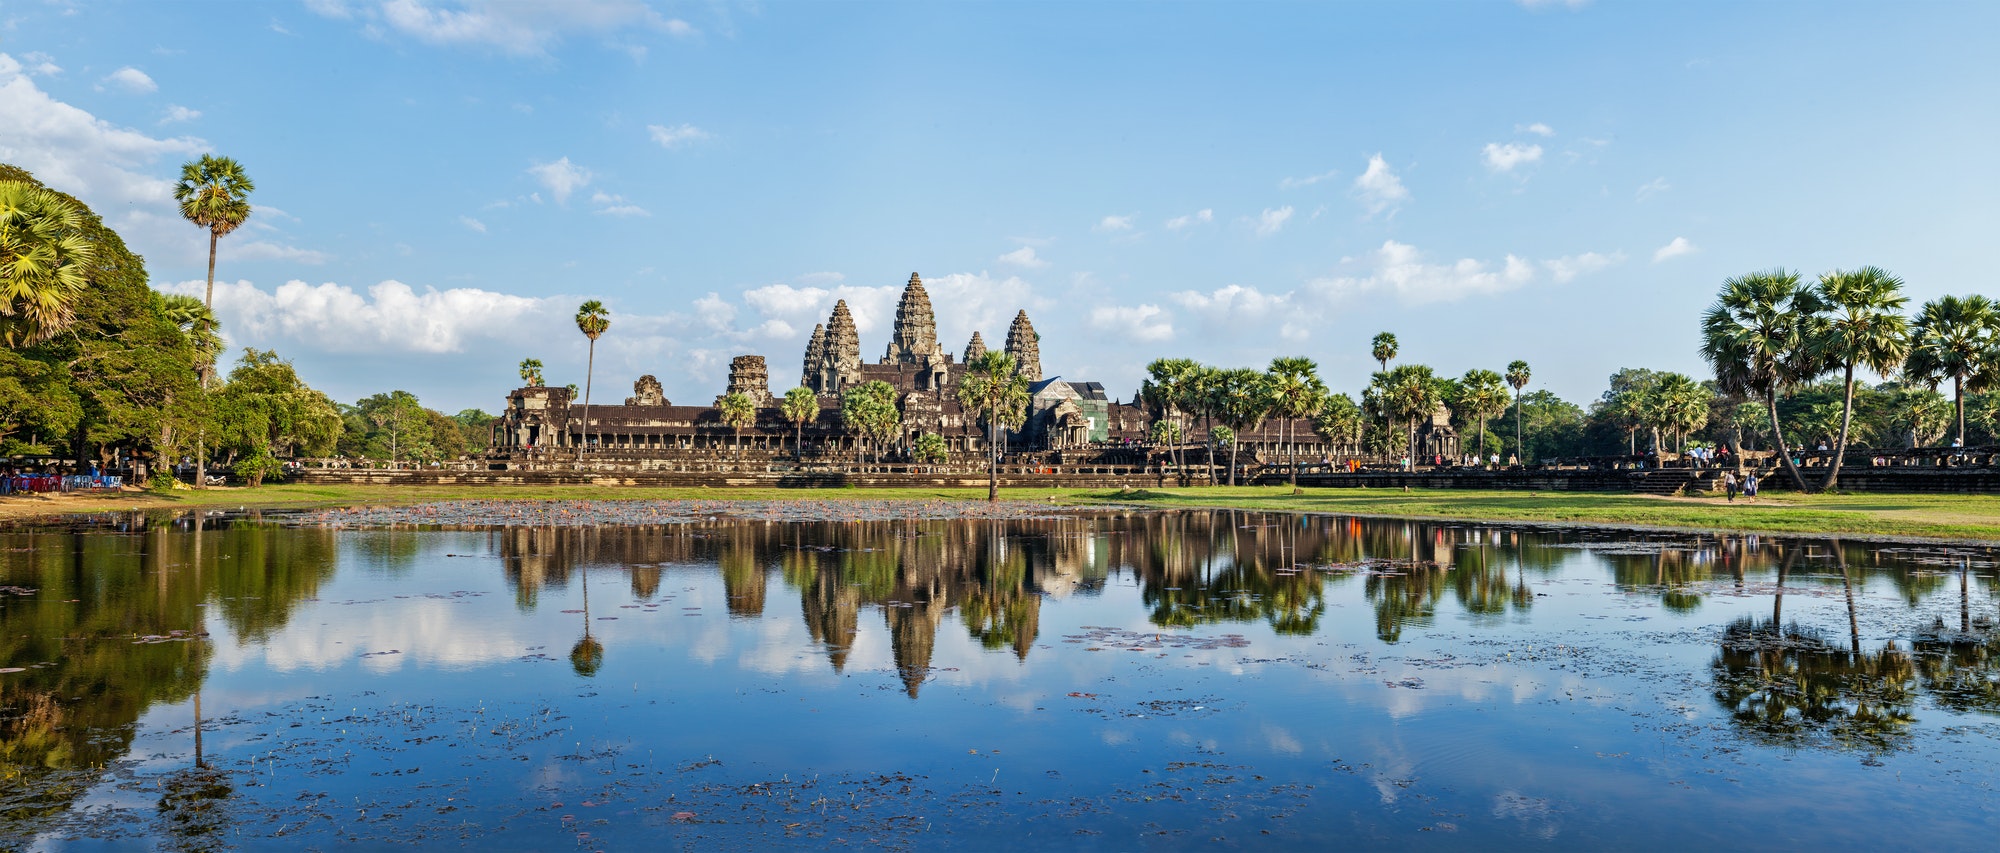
(1023, 344)
(914, 340)
(815, 356)
(843, 345)
(975, 348)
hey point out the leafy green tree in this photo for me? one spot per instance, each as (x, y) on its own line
(592, 318)
(214, 194)
(991, 391)
(400, 425)
(869, 411)
(930, 449)
(265, 411)
(35, 400)
(1551, 426)
(1338, 420)
(1296, 392)
(1757, 337)
(1244, 401)
(1517, 379)
(800, 407)
(1481, 394)
(1409, 392)
(1675, 405)
(1864, 327)
(531, 372)
(1172, 391)
(476, 427)
(1956, 338)
(45, 260)
(1383, 349)
(738, 413)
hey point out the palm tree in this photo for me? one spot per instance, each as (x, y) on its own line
(737, 412)
(1410, 392)
(531, 372)
(1296, 392)
(992, 390)
(801, 407)
(1384, 349)
(1865, 326)
(1481, 395)
(592, 318)
(1517, 379)
(1958, 337)
(1338, 420)
(44, 262)
(1172, 391)
(214, 194)
(1244, 398)
(1756, 336)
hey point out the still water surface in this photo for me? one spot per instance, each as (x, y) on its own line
(1116, 681)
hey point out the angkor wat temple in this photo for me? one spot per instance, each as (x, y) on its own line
(1068, 419)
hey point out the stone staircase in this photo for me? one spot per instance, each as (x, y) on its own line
(1675, 481)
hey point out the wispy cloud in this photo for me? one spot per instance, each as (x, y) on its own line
(1024, 257)
(472, 223)
(129, 79)
(561, 178)
(677, 135)
(1538, 129)
(1309, 180)
(1272, 220)
(1678, 247)
(516, 27)
(1503, 158)
(1116, 223)
(1568, 267)
(1652, 188)
(1202, 216)
(178, 113)
(1379, 189)
(1138, 323)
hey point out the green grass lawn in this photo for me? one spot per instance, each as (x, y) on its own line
(1960, 517)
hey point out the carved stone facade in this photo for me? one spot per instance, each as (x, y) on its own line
(748, 376)
(839, 362)
(1025, 347)
(913, 341)
(647, 392)
(974, 348)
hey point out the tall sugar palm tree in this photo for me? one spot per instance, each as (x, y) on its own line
(1171, 391)
(1383, 349)
(1481, 395)
(1959, 338)
(1756, 338)
(993, 391)
(214, 193)
(1865, 327)
(531, 372)
(1517, 379)
(738, 412)
(801, 407)
(1244, 398)
(44, 262)
(1296, 392)
(592, 318)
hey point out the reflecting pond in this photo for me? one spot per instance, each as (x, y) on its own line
(1102, 680)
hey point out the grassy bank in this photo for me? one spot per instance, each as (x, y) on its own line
(1957, 517)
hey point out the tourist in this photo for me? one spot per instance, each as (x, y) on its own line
(1729, 485)
(1750, 485)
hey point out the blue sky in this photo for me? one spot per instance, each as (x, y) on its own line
(441, 182)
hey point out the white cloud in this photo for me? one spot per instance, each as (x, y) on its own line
(623, 210)
(263, 250)
(1652, 188)
(1295, 183)
(41, 64)
(561, 178)
(674, 137)
(1379, 188)
(1399, 269)
(1147, 323)
(1270, 221)
(131, 80)
(1115, 223)
(1568, 267)
(473, 224)
(1538, 129)
(1202, 216)
(1678, 247)
(1024, 257)
(1503, 158)
(178, 113)
(517, 27)
(389, 318)
(1235, 304)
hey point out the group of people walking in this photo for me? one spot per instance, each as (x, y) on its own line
(1748, 484)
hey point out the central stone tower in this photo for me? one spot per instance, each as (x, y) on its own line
(833, 359)
(1026, 348)
(913, 342)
